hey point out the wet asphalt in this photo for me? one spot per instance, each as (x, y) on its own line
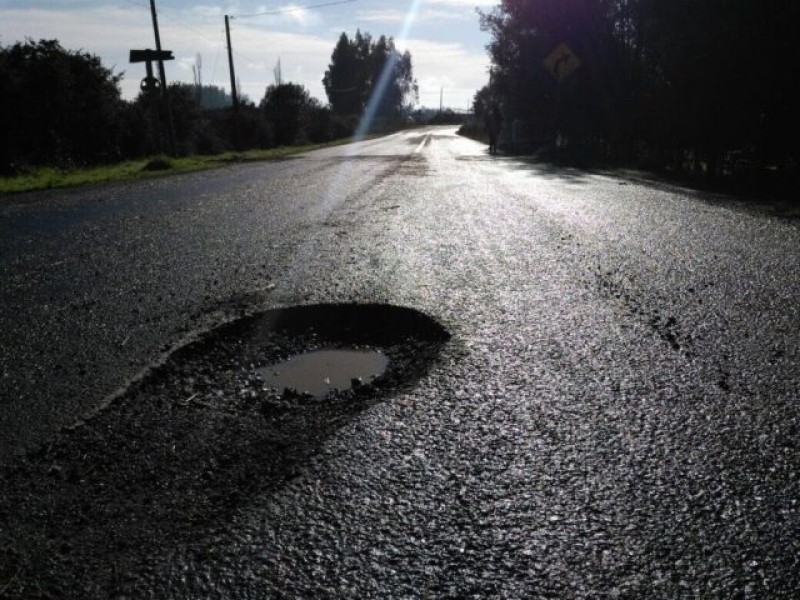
(615, 414)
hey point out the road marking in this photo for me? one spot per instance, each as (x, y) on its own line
(421, 145)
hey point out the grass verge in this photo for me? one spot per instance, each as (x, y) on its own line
(43, 178)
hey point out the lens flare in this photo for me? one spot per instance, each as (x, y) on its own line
(336, 188)
(379, 90)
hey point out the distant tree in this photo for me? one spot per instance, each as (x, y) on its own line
(391, 77)
(343, 79)
(363, 70)
(210, 97)
(57, 106)
(197, 74)
(362, 45)
(482, 102)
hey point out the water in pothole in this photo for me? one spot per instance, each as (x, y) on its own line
(321, 371)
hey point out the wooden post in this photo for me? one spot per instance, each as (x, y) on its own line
(234, 94)
(161, 73)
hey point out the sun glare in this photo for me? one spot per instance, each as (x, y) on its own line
(380, 89)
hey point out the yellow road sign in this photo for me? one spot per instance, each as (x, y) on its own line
(561, 62)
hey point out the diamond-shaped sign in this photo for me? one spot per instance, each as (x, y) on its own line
(561, 62)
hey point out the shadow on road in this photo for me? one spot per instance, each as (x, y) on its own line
(535, 167)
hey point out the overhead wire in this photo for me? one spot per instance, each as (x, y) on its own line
(294, 9)
(145, 4)
(216, 57)
(218, 44)
(286, 10)
(215, 43)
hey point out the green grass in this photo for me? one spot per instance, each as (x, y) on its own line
(43, 178)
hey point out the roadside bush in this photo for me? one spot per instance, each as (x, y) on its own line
(57, 107)
(249, 129)
(475, 130)
(208, 140)
(318, 124)
(283, 106)
(342, 127)
(139, 131)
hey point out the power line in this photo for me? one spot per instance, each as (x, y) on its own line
(174, 21)
(216, 58)
(294, 9)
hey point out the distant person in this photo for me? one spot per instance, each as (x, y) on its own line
(493, 122)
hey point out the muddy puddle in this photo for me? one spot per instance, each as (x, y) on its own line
(321, 372)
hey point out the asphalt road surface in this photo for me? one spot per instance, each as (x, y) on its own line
(615, 414)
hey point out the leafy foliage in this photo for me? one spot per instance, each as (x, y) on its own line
(289, 107)
(371, 72)
(57, 106)
(343, 81)
(675, 82)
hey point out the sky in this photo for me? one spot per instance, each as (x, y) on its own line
(444, 38)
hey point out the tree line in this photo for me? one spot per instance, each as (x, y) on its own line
(63, 108)
(704, 85)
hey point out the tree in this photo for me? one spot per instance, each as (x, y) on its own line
(583, 107)
(683, 82)
(342, 79)
(362, 43)
(57, 106)
(364, 72)
(391, 78)
(725, 75)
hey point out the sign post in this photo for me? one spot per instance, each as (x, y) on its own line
(151, 83)
(149, 56)
(560, 63)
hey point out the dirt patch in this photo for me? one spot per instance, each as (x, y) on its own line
(183, 449)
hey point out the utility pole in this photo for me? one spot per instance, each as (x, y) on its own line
(162, 76)
(234, 94)
(161, 73)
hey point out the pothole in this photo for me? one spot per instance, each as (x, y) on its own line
(199, 438)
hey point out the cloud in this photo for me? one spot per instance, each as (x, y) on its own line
(461, 71)
(304, 59)
(388, 15)
(207, 12)
(466, 3)
(294, 13)
(287, 14)
(426, 15)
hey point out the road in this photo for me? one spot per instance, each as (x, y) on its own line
(616, 414)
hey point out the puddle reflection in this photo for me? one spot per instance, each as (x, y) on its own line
(322, 371)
